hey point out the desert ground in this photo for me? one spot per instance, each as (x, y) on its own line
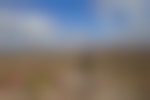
(97, 75)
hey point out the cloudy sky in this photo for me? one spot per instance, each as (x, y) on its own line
(47, 22)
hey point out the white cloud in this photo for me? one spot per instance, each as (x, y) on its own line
(25, 28)
(132, 7)
(135, 12)
(38, 28)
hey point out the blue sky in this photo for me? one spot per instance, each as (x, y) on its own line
(70, 12)
(104, 20)
(74, 16)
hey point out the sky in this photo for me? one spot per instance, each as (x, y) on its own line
(45, 22)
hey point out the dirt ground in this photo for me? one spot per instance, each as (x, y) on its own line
(73, 76)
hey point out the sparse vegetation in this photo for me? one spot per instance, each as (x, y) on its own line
(46, 77)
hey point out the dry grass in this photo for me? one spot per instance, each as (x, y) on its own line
(111, 75)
